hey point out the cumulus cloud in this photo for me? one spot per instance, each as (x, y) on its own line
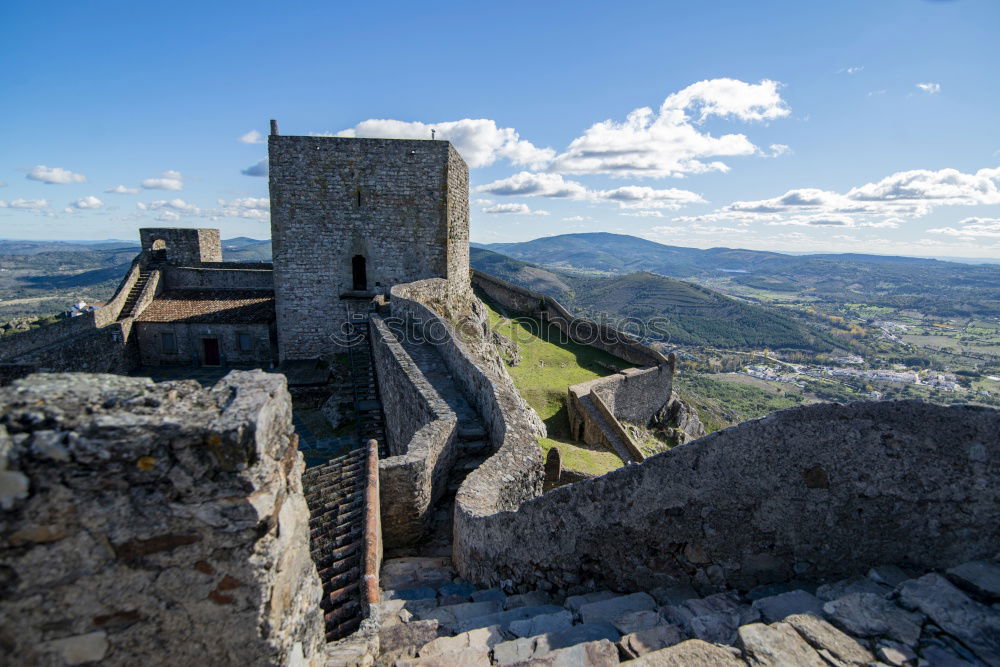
(512, 209)
(930, 88)
(885, 203)
(851, 70)
(573, 218)
(529, 184)
(31, 204)
(668, 142)
(972, 228)
(646, 213)
(252, 137)
(479, 141)
(168, 216)
(122, 190)
(89, 202)
(777, 150)
(55, 175)
(249, 208)
(168, 180)
(178, 206)
(259, 168)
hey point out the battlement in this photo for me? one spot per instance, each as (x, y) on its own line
(181, 247)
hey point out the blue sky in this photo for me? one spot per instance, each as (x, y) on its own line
(802, 126)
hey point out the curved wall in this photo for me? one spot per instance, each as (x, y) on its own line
(815, 491)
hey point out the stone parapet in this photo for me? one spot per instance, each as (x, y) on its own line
(817, 491)
(143, 520)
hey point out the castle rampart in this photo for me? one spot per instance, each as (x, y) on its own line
(421, 432)
(819, 491)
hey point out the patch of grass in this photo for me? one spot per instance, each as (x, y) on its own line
(549, 364)
(581, 457)
(721, 404)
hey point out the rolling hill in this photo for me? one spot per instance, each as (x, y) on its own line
(932, 286)
(672, 311)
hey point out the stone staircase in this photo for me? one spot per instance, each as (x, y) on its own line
(610, 434)
(364, 387)
(335, 494)
(135, 291)
(430, 617)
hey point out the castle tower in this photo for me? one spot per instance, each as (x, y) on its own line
(181, 247)
(352, 217)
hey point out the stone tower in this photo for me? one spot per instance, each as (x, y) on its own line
(352, 217)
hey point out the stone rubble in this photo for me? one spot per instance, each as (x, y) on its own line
(860, 620)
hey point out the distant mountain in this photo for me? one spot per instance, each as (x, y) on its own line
(930, 285)
(678, 312)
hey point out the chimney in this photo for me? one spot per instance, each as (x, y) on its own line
(274, 127)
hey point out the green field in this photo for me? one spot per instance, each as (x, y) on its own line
(721, 403)
(548, 366)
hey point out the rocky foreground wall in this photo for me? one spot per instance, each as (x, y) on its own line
(422, 434)
(146, 523)
(816, 491)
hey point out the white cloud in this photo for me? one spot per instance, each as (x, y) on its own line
(33, 204)
(885, 203)
(851, 70)
(930, 88)
(512, 209)
(777, 150)
(875, 93)
(482, 202)
(528, 184)
(646, 213)
(972, 228)
(259, 168)
(168, 216)
(252, 137)
(478, 140)
(168, 180)
(55, 175)
(668, 143)
(89, 202)
(574, 218)
(176, 205)
(250, 208)
(122, 190)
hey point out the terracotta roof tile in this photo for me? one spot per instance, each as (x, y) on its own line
(211, 307)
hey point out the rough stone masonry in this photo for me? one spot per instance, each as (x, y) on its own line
(146, 523)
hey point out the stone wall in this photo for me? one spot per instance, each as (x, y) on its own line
(514, 473)
(189, 349)
(146, 520)
(182, 246)
(402, 205)
(817, 491)
(422, 440)
(241, 278)
(580, 330)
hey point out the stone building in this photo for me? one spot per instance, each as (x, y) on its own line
(350, 218)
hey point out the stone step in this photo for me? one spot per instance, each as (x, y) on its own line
(611, 609)
(455, 616)
(505, 618)
(530, 648)
(471, 432)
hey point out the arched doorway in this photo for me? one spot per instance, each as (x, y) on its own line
(159, 249)
(360, 273)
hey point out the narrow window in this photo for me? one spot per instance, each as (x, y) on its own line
(358, 195)
(360, 273)
(168, 342)
(244, 342)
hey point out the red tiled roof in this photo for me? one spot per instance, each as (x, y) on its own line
(211, 307)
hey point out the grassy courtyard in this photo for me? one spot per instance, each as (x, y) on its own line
(549, 364)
